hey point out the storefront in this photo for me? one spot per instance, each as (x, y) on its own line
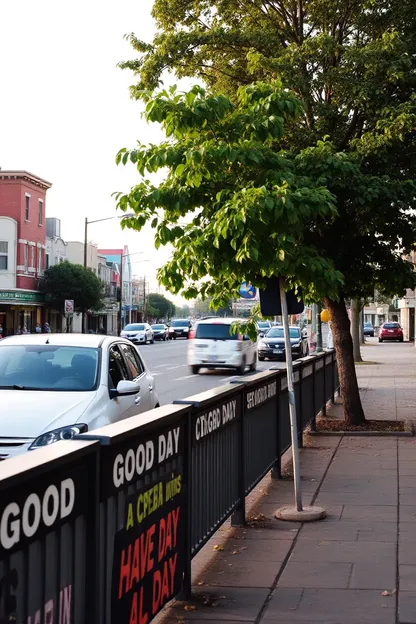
(20, 309)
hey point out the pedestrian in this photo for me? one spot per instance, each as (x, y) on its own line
(38, 328)
(46, 328)
(101, 330)
(1, 331)
(329, 340)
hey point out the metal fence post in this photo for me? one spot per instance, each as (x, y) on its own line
(238, 518)
(333, 364)
(299, 410)
(313, 421)
(276, 471)
(324, 382)
(186, 591)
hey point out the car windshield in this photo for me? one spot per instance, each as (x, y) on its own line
(215, 331)
(391, 326)
(367, 325)
(277, 332)
(134, 327)
(158, 327)
(263, 325)
(180, 324)
(48, 367)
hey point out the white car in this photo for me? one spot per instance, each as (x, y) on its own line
(55, 386)
(212, 345)
(138, 333)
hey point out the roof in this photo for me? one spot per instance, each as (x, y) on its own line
(25, 175)
(62, 340)
(224, 320)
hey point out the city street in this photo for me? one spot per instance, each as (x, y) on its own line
(167, 362)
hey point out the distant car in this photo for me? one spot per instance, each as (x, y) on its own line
(160, 331)
(272, 346)
(179, 328)
(263, 326)
(214, 346)
(138, 333)
(390, 331)
(368, 330)
(60, 385)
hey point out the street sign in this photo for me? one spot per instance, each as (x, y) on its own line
(247, 291)
(69, 306)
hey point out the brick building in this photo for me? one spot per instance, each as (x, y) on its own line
(22, 249)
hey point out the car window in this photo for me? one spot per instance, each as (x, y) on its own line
(134, 327)
(117, 368)
(49, 367)
(391, 325)
(277, 332)
(180, 323)
(158, 327)
(215, 331)
(133, 361)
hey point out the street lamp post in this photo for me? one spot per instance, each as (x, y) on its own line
(87, 223)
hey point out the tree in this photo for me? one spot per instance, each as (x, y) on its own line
(72, 281)
(161, 306)
(182, 311)
(351, 64)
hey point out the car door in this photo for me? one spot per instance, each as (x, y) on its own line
(120, 406)
(137, 372)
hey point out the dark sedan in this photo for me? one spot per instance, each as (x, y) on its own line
(272, 345)
(160, 331)
(368, 330)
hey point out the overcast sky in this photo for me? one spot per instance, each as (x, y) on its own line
(66, 111)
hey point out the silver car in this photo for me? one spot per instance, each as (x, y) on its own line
(138, 333)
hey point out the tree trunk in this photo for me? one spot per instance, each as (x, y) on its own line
(355, 328)
(353, 409)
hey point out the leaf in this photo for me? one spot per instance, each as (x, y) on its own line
(218, 547)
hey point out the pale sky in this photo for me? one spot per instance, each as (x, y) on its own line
(66, 111)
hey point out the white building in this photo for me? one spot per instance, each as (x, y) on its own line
(8, 253)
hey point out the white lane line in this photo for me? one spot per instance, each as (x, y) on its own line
(161, 365)
(155, 374)
(174, 367)
(184, 377)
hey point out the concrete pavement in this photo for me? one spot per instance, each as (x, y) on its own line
(358, 565)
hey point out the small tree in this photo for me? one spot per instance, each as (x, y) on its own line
(160, 305)
(72, 281)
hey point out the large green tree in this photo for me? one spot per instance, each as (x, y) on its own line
(352, 66)
(72, 281)
(163, 308)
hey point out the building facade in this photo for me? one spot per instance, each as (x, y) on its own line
(22, 249)
(120, 259)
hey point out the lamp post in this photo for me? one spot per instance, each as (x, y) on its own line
(87, 223)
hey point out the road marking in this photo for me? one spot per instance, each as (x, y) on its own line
(161, 365)
(184, 377)
(175, 367)
(155, 374)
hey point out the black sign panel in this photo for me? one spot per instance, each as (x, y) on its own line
(270, 303)
(126, 463)
(219, 415)
(149, 559)
(260, 395)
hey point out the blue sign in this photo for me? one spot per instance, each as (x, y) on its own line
(247, 292)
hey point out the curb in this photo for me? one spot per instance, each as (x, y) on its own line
(363, 434)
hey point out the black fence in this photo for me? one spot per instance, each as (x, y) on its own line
(103, 529)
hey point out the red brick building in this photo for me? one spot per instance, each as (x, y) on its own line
(22, 248)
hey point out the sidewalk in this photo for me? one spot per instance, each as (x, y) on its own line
(358, 565)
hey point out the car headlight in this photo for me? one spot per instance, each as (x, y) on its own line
(63, 433)
(262, 343)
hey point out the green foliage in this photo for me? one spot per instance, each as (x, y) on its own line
(160, 305)
(248, 207)
(72, 281)
(351, 65)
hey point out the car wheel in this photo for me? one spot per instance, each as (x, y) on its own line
(401, 339)
(174, 337)
(152, 341)
(194, 370)
(261, 358)
(253, 365)
(242, 369)
(380, 340)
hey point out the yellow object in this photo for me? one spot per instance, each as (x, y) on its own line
(325, 316)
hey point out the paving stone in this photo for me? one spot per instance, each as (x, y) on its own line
(315, 574)
(272, 530)
(236, 551)
(407, 578)
(380, 513)
(231, 605)
(240, 573)
(352, 552)
(338, 531)
(408, 513)
(407, 552)
(407, 607)
(358, 498)
(336, 606)
(375, 575)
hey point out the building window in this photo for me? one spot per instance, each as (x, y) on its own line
(27, 207)
(40, 263)
(47, 261)
(4, 249)
(32, 256)
(40, 212)
(26, 256)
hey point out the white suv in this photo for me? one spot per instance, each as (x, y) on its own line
(138, 333)
(212, 345)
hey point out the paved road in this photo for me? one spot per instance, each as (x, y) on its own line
(168, 363)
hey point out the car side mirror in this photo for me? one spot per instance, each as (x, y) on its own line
(125, 388)
(261, 335)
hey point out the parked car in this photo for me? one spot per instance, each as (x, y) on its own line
(263, 327)
(58, 386)
(368, 330)
(138, 333)
(160, 331)
(272, 345)
(179, 328)
(214, 346)
(390, 331)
